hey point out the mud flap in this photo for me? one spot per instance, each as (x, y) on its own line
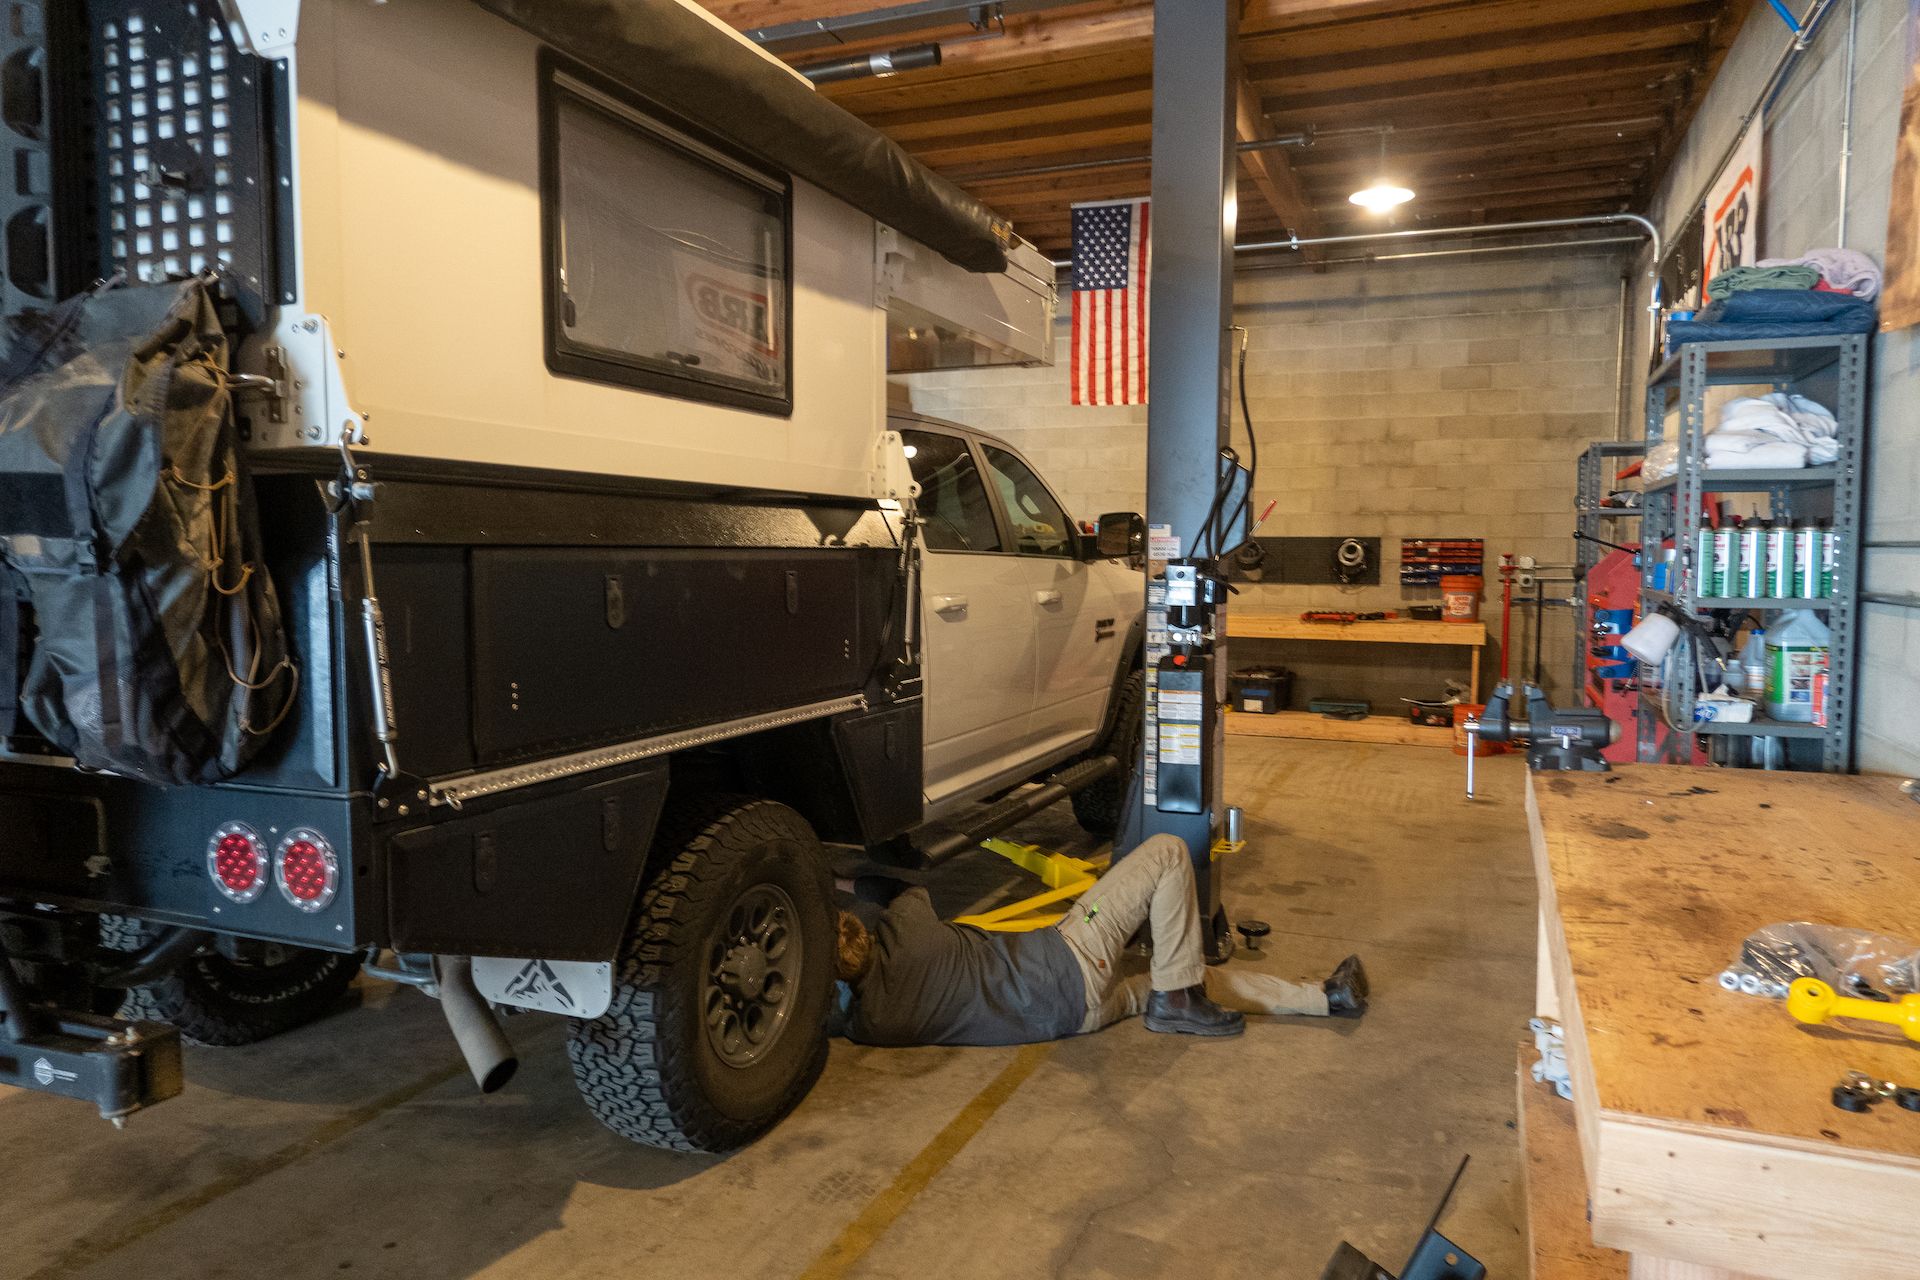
(577, 988)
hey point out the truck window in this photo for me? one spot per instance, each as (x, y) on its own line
(953, 501)
(1040, 525)
(667, 259)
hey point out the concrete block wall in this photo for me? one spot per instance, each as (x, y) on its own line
(1801, 208)
(1447, 397)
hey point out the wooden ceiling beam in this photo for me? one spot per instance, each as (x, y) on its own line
(1035, 146)
(950, 85)
(1713, 51)
(1642, 66)
(1464, 23)
(1271, 171)
(1010, 114)
(1631, 33)
(1428, 164)
(1624, 92)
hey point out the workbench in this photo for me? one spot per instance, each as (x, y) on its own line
(1389, 729)
(1708, 1142)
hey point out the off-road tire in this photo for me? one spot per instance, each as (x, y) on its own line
(1097, 806)
(647, 1068)
(213, 1000)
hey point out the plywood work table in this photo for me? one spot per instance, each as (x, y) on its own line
(1709, 1142)
(1391, 729)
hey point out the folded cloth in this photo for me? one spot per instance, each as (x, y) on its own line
(1789, 417)
(1794, 306)
(1845, 270)
(1751, 425)
(1767, 314)
(1740, 279)
(1753, 449)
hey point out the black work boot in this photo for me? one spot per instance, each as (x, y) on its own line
(1346, 989)
(1188, 1012)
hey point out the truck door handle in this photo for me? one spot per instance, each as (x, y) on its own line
(1046, 597)
(949, 604)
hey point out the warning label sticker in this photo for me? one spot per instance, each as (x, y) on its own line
(1162, 543)
(1181, 704)
(1179, 743)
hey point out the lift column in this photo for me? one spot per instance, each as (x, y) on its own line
(1190, 313)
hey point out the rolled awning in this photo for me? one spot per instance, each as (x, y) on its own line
(673, 57)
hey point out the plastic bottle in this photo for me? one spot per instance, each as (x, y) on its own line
(1754, 658)
(1726, 540)
(1796, 652)
(1779, 576)
(1808, 542)
(1750, 574)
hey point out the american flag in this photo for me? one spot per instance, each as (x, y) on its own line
(1111, 260)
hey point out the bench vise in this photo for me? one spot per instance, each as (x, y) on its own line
(1566, 739)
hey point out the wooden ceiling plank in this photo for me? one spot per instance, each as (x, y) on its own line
(1624, 91)
(1271, 171)
(1476, 20)
(950, 85)
(1713, 51)
(1035, 148)
(1013, 114)
(1631, 35)
(1640, 65)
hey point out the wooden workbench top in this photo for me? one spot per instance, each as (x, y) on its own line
(1246, 625)
(1706, 1123)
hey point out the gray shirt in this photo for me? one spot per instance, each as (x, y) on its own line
(939, 983)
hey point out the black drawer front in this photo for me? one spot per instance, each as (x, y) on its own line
(573, 647)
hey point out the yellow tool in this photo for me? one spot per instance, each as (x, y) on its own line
(1065, 876)
(1813, 1001)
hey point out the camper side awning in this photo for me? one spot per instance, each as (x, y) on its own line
(675, 58)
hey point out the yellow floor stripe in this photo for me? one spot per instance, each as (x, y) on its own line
(883, 1210)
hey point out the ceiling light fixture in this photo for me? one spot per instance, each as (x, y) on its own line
(1383, 193)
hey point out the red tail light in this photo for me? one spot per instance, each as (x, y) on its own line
(237, 861)
(306, 870)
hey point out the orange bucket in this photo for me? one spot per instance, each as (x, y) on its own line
(1460, 597)
(1463, 712)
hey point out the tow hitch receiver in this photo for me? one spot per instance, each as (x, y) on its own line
(118, 1066)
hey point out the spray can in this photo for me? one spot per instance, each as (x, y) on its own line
(1703, 566)
(1829, 558)
(1807, 548)
(1750, 572)
(1726, 546)
(1779, 575)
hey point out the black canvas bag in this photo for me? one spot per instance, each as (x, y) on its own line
(147, 639)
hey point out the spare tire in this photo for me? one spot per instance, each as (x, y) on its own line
(239, 992)
(717, 1027)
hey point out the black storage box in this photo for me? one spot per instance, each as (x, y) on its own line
(1260, 690)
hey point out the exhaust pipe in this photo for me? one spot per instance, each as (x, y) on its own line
(490, 1057)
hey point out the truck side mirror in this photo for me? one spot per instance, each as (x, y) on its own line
(1123, 535)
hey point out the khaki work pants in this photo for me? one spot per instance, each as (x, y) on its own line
(1154, 885)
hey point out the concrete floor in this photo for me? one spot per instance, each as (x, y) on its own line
(357, 1148)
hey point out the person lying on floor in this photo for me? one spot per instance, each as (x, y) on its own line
(915, 979)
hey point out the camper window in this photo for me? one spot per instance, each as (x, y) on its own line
(667, 259)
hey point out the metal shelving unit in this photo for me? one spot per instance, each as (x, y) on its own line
(1591, 517)
(1833, 371)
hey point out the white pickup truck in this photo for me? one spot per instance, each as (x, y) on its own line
(615, 597)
